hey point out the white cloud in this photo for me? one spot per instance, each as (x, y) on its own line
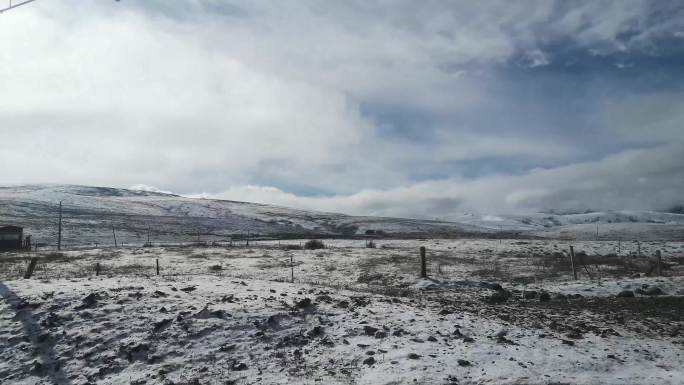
(599, 184)
(297, 94)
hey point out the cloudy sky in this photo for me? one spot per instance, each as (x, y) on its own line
(422, 109)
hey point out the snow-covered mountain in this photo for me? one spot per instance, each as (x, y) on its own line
(93, 214)
(538, 221)
(605, 225)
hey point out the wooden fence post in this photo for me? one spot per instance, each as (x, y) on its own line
(659, 266)
(423, 265)
(292, 266)
(619, 240)
(31, 267)
(572, 262)
(97, 269)
(157, 266)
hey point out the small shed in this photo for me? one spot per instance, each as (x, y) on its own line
(11, 238)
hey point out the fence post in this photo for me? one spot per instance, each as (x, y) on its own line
(292, 267)
(31, 267)
(423, 266)
(572, 262)
(659, 267)
(157, 266)
(97, 269)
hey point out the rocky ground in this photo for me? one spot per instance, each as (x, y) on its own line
(245, 325)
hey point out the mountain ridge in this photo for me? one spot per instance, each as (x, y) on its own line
(93, 213)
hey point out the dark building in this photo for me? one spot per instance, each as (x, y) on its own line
(11, 238)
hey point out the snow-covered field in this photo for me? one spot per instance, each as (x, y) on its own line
(354, 315)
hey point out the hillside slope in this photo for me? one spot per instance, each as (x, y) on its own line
(91, 213)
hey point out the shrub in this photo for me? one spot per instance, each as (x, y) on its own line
(370, 245)
(215, 268)
(314, 244)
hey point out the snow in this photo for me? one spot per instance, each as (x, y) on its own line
(224, 321)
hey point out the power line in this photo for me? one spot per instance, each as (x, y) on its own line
(11, 6)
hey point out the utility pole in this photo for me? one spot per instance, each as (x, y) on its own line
(59, 228)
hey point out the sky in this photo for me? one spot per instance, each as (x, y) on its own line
(396, 108)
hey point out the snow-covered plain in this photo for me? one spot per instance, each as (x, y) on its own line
(354, 315)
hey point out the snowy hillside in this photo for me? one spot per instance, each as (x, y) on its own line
(613, 225)
(92, 214)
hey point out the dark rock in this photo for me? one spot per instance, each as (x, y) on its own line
(38, 368)
(575, 335)
(159, 294)
(529, 294)
(206, 314)
(306, 302)
(544, 296)
(343, 304)
(369, 330)
(626, 294)
(498, 297)
(188, 289)
(51, 320)
(89, 301)
(432, 339)
(324, 298)
(568, 342)
(446, 312)
(653, 290)
(380, 334)
(159, 325)
(227, 348)
(492, 286)
(369, 361)
(317, 331)
(239, 366)
(463, 362)
(414, 356)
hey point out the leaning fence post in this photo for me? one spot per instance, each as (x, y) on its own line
(423, 267)
(31, 267)
(572, 262)
(157, 266)
(659, 267)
